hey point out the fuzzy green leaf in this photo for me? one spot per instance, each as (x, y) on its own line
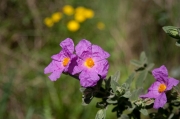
(144, 111)
(143, 58)
(136, 63)
(116, 76)
(101, 114)
(130, 79)
(124, 116)
(140, 80)
(172, 31)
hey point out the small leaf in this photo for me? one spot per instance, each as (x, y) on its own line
(140, 80)
(101, 114)
(172, 31)
(135, 94)
(144, 111)
(178, 43)
(130, 79)
(136, 63)
(127, 94)
(114, 85)
(116, 76)
(143, 58)
(150, 66)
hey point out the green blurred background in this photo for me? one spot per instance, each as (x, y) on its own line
(26, 45)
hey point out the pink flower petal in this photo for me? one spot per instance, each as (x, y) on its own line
(82, 46)
(172, 82)
(102, 67)
(68, 44)
(160, 101)
(99, 53)
(88, 79)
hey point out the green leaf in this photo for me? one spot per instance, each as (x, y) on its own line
(172, 31)
(114, 85)
(116, 76)
(101, 114)
(143, 58)
(130, 79)
(136, 63)
(127, 94)
(142, 76)
(144, 111)
(136, 93)
(178, 43)
(150, 66)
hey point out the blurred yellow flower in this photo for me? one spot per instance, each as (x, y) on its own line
(56, 17)
(100, 25)
(89, 13)
(80, 10)
(79, 17)
(48, 22)
(73, 25)
(68, 10)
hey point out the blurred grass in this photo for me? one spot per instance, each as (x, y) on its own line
(26, 46)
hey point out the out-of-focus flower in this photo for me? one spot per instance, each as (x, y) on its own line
(79, 17)
(89, 13)
(100, 25)
(61, 61)
(91, 63)
(56, 17)
(73, 25)
(158, 89)
(48, 22)
(68, 10)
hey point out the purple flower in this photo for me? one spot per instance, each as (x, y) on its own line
(158, 89)
(61, 61)
(91, 63)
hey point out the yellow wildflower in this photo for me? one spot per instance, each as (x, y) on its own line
(56, 17)
(79, 17)
(68, 10)
(48, 22)
(89, 13)
(100, 25)
(80, 10)
(73, 25)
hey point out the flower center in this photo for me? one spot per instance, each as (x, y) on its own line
(162, 88)
(66, 61)
(89, 63)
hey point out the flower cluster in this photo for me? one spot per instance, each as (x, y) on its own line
(159, 88)
(77, 16)
(88, 62)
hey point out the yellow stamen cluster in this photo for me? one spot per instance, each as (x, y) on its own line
(65, 61)
(162, 88)
(89, 63)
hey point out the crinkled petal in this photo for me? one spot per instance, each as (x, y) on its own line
(85, 55)
(171, 82)
(98, 53)
(102, 67)
(152, 91)
(82, 46)
(68, 44)
(72, 64)
(55, 75)
(59, 56)
(78, 67)
(88, 79)
(53, 66)
(160, 74)
(160, 101)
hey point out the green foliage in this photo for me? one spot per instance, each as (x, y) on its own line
(174, 32)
